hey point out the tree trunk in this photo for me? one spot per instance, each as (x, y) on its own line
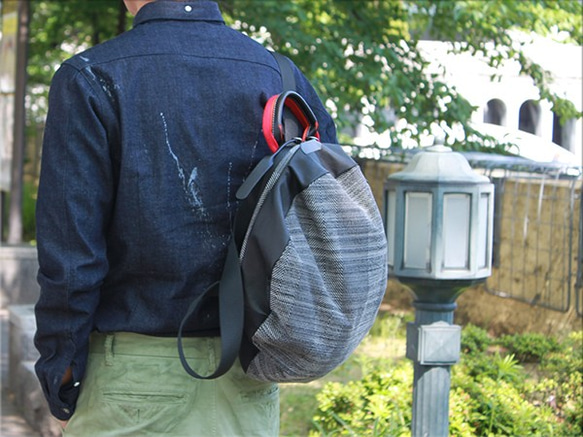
(15, 227)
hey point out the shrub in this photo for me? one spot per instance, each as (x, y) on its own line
(498, 408)
(529, 347)
(561, 386)
(378, 404)
(495, 366)
(490, 392)
(474, 340)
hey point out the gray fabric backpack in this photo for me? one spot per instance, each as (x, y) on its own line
(306, 268)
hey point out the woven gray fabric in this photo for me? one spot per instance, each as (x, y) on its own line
(328, 284)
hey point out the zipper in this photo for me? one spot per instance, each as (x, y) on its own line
(277, 172)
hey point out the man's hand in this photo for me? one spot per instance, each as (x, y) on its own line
(67, 377)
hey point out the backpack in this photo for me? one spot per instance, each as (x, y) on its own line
(306, 268)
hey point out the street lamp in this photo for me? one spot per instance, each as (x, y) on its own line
(438, 219)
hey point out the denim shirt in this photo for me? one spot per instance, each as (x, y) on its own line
(147, 139)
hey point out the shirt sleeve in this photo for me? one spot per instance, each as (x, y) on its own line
(74, 200)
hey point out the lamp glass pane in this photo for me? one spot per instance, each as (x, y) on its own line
(418, 209)
(483, 230)
(390, 214)
(456, 231)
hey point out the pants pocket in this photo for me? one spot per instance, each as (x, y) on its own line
(133, 396)
(157, 412)
(254, 403)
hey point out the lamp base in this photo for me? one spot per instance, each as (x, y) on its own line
(432, 291)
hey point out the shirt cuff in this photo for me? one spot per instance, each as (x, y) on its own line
(62, 406)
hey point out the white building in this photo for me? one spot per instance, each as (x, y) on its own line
(511, 100)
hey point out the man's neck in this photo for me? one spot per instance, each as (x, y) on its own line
(134, 6)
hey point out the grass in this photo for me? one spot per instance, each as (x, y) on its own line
(384, 343)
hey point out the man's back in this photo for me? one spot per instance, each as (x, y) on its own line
(179, 100)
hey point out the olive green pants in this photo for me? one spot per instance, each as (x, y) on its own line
(135, 386)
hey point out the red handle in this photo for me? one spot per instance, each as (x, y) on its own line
(273, 119)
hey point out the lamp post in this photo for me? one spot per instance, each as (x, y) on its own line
(438, 218)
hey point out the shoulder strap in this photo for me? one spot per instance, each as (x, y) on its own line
(289, 123)
(230, 288)
(231, 315)
(286, 70)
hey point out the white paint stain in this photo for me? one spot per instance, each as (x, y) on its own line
(105, 86)
(229, 186)
(108, 87)
(252, 157)
(190, 186)
(91, 73)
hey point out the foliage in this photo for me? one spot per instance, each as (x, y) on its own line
(474, 339)
(497, 367)
(489, 29)
(362, 56)
(28, 212)
(562, 384)
(492, 393)
(529, 347)
(389, 325)
(297, 402)
(379, 350)
(497, 407)
(378, 404)
(60, 29)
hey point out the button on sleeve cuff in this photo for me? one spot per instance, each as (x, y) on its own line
(62, 406)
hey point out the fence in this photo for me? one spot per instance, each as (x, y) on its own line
(537, 232)
(538, 227)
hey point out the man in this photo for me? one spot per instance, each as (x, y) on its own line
(148, 137)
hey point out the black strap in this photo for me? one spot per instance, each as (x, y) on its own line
(231, 313)
(289, 122)
(286, 70)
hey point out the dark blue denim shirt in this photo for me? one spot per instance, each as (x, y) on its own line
(147, 139)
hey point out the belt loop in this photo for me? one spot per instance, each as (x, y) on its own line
(108, 346)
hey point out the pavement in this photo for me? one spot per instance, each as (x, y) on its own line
(12, 422)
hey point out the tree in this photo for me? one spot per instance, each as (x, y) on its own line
(15, 211)
(362, 55)
(61, 28)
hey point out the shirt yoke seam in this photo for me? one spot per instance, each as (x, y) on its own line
(80, 68)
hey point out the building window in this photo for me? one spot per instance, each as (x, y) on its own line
(529, 117)
(495, 112)
(564, 134)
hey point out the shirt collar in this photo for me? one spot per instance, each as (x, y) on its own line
(172, 10)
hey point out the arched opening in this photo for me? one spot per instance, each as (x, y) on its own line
(557, 130)
(564, 134)
(495, 112)
(529, 117)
